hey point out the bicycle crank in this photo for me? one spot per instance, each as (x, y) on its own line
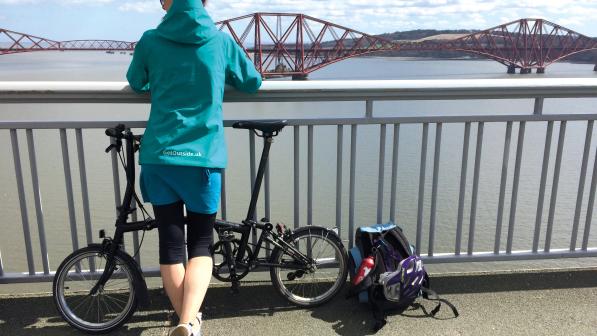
(221, 269)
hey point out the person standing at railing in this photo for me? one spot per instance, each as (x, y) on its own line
(185, 64)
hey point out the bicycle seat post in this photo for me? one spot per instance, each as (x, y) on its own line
(268, 139)
(269, 129)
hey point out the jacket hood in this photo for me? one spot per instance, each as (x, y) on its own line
(187, 22)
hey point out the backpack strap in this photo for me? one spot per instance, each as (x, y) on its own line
(379, 314)
(432, 296)
(375, 299)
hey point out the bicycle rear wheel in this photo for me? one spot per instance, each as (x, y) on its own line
(310, 285)
(104, 311)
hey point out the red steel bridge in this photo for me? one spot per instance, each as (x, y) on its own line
(297, 44)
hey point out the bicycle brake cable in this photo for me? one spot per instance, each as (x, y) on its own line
(139, 203)
(140, 243)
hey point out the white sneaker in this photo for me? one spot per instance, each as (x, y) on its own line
(182, 330)
(196, 329)
(188, 329)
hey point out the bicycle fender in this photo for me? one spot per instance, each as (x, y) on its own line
(141, 291)
(332, 233)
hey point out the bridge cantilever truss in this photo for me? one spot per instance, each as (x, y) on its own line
(19, 42)
(524, 44)
(297, 44)
(15, 42)
(284, 44)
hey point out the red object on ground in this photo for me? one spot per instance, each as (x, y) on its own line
(366, 267)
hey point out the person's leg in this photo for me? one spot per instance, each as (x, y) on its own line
(171, 235)
(199, 266)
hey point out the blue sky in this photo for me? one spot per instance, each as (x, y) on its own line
(127, 19)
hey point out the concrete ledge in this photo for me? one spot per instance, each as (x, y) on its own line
(481, 282)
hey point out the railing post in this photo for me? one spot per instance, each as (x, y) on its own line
(116, 180)
(69, 189)
(84, 189)
(539, 215)
(381, 171)
(369, 108)
(22, 200)
(339, 150)
(310, 175)
(422, 186)
(351, 201)
(436, 163)
(538, 109)
(38, 205)
(554, 186)
(581, 184)
(515, 182)
(591, 203)
(395, 149)
(476, 173)
(504, 178)
(461, 194)
(253, 175)
(296, 176)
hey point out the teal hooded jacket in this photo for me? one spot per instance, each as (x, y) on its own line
(185, 63)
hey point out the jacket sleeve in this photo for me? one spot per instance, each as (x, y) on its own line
(240, 71)
(137, 74)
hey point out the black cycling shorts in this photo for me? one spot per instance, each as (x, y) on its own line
(171, 222)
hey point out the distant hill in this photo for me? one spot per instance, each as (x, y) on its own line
(422, 33)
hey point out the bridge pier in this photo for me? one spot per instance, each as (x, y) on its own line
(524, 71)
(540, 70)
(512, 69)
(300, 77)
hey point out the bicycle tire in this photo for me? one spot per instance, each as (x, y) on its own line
(117, 297)
(287, 287)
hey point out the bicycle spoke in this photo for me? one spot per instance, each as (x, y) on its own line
(321, 251)
(114, 303)
(119, 307)
(112, 284)
(81, 302)
(76, 300)
(90, 306)
(115, 300)
(98, 309)
(102, 299)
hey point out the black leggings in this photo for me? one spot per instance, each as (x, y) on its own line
(171, 221)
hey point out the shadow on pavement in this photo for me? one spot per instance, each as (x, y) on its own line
(36, 315)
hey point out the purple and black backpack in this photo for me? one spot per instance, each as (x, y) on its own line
(398, 277)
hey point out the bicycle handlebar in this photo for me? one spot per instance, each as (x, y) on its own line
(122, 132)
(116, 132)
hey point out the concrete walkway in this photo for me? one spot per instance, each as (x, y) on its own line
(544, 303)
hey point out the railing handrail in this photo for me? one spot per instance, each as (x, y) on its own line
(314, 90)
(537, 89)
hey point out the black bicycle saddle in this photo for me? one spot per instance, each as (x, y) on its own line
(265, 126)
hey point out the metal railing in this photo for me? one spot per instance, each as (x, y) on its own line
(337, 91)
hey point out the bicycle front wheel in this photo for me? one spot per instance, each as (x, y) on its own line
(110, 306)
(314, 284)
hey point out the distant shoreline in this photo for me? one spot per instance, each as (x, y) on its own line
(414, 58)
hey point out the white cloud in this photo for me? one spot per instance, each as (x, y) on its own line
(378, 16)
(61, 2)
(141, 6)
(16, 2)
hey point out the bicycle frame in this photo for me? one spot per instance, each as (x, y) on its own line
(111, 245)
(250, 224)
